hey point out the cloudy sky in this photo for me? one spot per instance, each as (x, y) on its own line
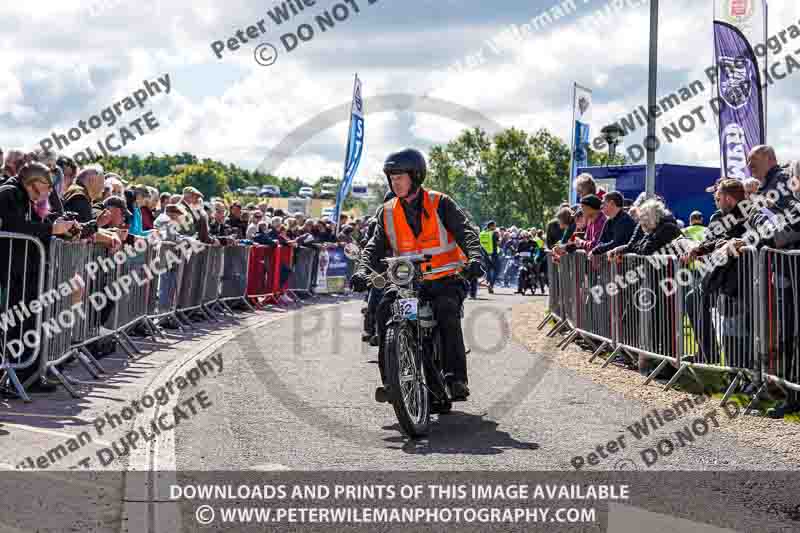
(68, 60)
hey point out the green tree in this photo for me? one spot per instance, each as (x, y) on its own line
(600, 159)
(207, 178)
(513, 178)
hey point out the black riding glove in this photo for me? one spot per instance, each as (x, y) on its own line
(474, 270)
(359, 282)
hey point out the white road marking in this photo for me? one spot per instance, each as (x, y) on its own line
(159, 457)
(64, 436)
(54, 417)
(269, 467)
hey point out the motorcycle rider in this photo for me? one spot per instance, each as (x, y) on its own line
(429, 222)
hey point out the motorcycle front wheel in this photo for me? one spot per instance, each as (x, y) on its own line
(406, 379)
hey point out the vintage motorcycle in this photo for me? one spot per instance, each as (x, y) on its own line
(412, 362)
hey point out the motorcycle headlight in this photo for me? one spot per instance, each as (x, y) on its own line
(401, 273)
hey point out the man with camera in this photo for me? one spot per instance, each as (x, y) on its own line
(20, 270)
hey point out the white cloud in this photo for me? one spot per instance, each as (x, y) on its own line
(64, 64)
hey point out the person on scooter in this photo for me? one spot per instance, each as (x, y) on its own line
(431, 223)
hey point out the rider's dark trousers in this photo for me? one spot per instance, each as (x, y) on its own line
(448, 296)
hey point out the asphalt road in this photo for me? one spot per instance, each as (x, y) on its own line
(298, 395)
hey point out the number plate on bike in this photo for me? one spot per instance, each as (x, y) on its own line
(408, 308)
(524, 254)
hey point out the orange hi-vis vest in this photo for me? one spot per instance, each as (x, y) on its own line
(434, 239)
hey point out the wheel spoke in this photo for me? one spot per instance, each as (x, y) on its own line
(411, 377)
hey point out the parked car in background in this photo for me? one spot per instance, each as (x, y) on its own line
(250, 191)
(305, 192)
(329, 190)
(270, 191)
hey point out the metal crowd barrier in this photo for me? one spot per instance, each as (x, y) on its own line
(20, 255)
(656, 308)
(779, 331)
(648, 311)
(86, 294)
(302, 279)
(569, 279)
(284, 263)
(191, 288)
(595, 321)
(164, 306)
(212, 281)
(554, 311)
(721, 324)
(71, 314)
(234, 277)
(260, 274)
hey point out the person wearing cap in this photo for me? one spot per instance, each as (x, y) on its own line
(112, 219)
(115, 213)
(619, 225)
(17, 197)
(595, 220)
(696, 230)
(346, 234)
(192, 205)
(322, 233)
(292, 227)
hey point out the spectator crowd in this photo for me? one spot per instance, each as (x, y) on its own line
(59, 196)
(761, 211)
(45, 196)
